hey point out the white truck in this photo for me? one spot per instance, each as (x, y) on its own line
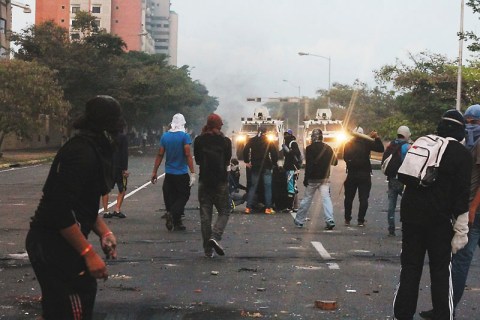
(249, 129)
(333, 132)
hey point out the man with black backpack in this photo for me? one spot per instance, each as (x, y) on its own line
(391, 161)
(212, 152)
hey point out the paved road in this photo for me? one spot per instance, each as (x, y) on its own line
(271, 269)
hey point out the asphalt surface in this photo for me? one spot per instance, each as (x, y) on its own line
(271, 269)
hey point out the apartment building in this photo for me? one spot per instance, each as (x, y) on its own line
(144, 25)
(5, 27)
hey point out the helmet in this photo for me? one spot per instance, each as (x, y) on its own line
(473, 112)
(404, 131)
(317, 135)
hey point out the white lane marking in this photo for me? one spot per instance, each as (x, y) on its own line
(323, 252)
(333, 266)
(132, 193)
(20, 168)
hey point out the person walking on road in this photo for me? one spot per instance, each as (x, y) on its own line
(65, 262)
(427, 215)
(462, 260)
(398, 149)
(120, 173)
(359, 172)
(260, 156)
(212, 153)
(319, 157)
(175, 147)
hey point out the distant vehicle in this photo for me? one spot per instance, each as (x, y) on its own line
(249, 129)
(333, 131)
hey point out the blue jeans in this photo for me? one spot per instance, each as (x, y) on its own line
(267, 185)
(307, 202)
(462, 259)
(395, 188)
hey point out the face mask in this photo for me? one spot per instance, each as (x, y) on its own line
(473, 133)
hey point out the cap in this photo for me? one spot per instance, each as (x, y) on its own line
(290, 131)
(472, 112)
(102, 113)
(214, 121)
(404, 131)
(454, 116)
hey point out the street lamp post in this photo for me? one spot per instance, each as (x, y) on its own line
(298, 109)
(460, 51)
(329, 70)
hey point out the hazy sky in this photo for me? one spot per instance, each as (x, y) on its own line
(246, 48)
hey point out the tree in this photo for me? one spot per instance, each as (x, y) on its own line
(27, 91)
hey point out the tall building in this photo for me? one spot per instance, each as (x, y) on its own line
(144, 25)
(5, 27)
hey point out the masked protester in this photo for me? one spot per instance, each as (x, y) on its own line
(462, 260)
(175, 144)
(65, 262)
(427, 215)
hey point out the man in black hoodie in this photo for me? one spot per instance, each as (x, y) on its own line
(260, 157)
(212, 152)
(427, 214)
(359, 172)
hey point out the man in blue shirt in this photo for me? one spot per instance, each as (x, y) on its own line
(175, 146)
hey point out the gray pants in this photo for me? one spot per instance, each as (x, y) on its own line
(210, 196)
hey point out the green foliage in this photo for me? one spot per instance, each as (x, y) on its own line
(149, 89)
(27, 91)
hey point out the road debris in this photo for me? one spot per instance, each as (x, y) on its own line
(326, 304)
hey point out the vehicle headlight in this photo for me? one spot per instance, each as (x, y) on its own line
(271, 137)
(241, 138)
(342, 137)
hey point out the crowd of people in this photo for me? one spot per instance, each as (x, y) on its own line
(440, 219)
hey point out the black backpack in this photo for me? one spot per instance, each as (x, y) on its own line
(392, 159)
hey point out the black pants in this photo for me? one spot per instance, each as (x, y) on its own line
(176, 193)
(68, 290)
(418, 240)
(363, 182)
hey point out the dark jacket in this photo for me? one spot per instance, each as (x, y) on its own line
(213, 169)
(260, 153)
(319, 157)
(447, 197)
(357, 154)
(293, 155)
(80, 174)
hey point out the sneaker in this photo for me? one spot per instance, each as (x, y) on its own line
(247, 210)
(209, 254)
(295, 209)
(361, 223)
(297, 224)
(269, 211)
(218, 248)
(426, 314)
(119, 215)
(391, 234)
(107, 215)
(169, 221)
(330, 225)
(179, 227)
(347, 222)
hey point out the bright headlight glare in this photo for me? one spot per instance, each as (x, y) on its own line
(241, 138)
(342, 137)
(270, 137)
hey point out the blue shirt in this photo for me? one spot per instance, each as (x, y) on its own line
(175, 160)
